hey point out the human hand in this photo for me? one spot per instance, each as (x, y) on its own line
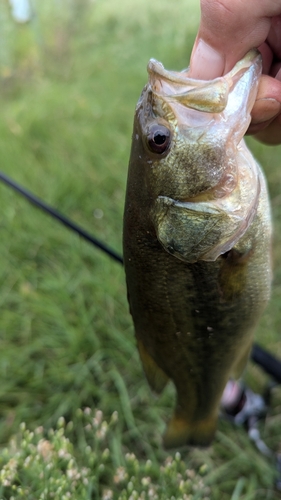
(228, 29)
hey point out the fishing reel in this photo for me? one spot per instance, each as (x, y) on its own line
(241, 406)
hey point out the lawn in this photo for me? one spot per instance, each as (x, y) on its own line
(69, 370)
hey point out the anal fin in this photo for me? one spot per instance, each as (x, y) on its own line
(157, 379)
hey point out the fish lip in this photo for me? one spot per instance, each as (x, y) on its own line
(209, 96)
(156, 68)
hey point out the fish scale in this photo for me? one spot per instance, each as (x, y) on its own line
(197, 237)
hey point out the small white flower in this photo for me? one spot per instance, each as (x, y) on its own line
(107, 495)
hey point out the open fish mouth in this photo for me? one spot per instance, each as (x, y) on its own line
(209, 96)
(195, 231)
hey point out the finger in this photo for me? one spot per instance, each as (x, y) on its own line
(267, 105)
(269, 88)
(271, 134)
(228, 29)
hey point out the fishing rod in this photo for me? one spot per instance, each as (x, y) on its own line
(270, 364)
(60, 217)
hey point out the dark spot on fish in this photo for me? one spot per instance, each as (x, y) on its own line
(232, 254)
(225, 255)
(235, 257)
(171, 248)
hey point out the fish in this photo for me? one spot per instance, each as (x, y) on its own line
(196, 239)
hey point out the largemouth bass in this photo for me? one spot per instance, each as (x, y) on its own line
(197, 236)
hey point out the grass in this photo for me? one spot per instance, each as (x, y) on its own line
(69, 83)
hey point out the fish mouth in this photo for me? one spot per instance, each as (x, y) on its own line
(223, 102)
(201, 230)
(156, 69)
(209, 96)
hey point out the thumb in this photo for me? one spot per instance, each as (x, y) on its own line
(206, 62)
(228, 29)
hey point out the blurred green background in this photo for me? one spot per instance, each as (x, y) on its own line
(69, 82)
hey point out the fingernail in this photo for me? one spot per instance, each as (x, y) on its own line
(206, 63)
(265, 109)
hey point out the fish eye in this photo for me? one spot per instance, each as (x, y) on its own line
(158, 138)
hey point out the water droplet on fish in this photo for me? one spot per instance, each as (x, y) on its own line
(210, 329)
(137, 137)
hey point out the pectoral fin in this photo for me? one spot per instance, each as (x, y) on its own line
(157, 379)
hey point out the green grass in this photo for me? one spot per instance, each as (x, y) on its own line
(69, 83)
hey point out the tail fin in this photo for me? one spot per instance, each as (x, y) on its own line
(180, 432)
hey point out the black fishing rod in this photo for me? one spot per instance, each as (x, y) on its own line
(60, 217)
(270, 364)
